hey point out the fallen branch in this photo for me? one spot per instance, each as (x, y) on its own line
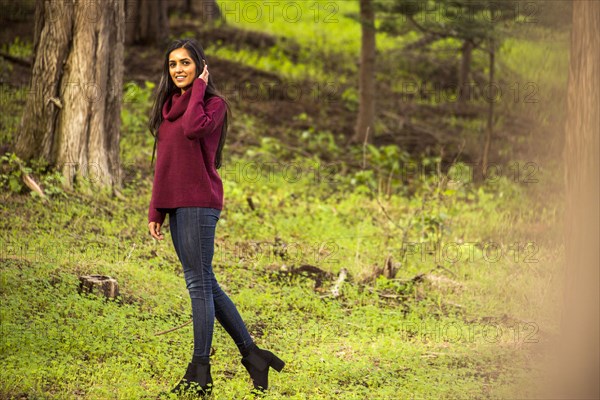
(173, 329)
(454, 304)
(388, 296)
(31, 184)
(416, 278)
(335, 291)
(311, 269)
(423, 275)
(435, 354)
(305, 270)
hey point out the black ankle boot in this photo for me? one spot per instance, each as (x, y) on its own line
(257, 362)
(197, 380)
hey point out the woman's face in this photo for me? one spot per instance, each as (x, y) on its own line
(182, 68)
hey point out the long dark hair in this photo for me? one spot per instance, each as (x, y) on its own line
(166, 88)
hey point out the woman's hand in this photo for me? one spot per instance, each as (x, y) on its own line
(154, 228)
(204, 74)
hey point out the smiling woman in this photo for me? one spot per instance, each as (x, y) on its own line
(189, 122)
(183, 69)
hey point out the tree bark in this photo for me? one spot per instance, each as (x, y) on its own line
(72, 116)
(37, 129)
(366, 111)
(581, 321)
(147, 22)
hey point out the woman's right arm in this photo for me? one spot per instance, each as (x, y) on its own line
(200, 119)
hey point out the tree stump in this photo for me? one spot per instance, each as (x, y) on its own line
(100, 285)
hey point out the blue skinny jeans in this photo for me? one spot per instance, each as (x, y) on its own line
(193, 233)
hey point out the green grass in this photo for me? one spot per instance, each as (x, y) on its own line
(465, 334)
(542, 67)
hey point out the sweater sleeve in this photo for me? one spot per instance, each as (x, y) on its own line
(154, 215)
(200, 119)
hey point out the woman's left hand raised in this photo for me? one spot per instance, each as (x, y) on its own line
(204, 74)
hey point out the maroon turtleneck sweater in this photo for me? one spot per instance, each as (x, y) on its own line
(188, 137)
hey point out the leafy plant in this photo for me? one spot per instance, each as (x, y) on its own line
(12, 172)
(19, 48)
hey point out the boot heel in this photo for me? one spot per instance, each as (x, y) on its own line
(257, 362)
(277, 363)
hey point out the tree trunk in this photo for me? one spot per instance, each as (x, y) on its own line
(465, 70)
(366, 111)
(72, 116)
(580, 324)
(490, 120)
(147, 22)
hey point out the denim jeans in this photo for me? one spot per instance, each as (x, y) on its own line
(193, 233)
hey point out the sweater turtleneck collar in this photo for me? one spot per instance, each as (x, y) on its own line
(176, 105)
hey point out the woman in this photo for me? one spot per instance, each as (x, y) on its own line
(189, 122)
